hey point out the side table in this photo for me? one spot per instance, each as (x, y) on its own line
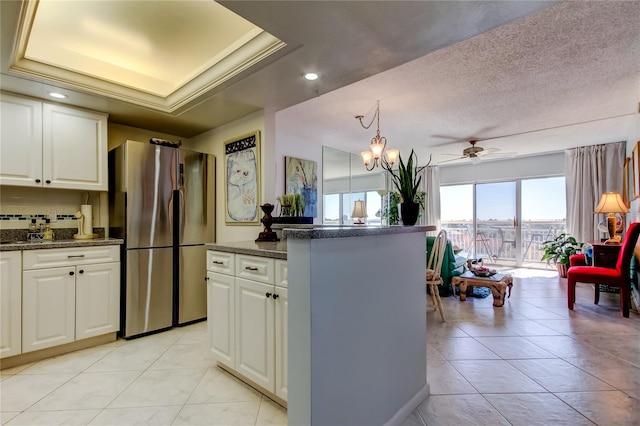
(606, 256)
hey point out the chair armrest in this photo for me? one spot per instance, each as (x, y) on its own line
(577, 260)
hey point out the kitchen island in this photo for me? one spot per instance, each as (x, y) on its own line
(356, 323)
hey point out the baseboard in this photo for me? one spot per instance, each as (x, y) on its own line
(28, 357)
(409, 407)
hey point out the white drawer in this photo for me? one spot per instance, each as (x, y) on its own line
(255, 268)
(281, 273)
(221, 262)
(52, 258)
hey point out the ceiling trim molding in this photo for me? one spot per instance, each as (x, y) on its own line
(239, 59)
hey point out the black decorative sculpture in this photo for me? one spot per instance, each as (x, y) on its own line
(267, 220)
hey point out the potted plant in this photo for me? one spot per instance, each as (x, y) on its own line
(559, 249)
(407, 180)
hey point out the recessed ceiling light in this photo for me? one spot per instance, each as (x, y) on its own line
(311, 76)
(57, 95)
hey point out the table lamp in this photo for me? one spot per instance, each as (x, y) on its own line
(611, 203)
(359, 211)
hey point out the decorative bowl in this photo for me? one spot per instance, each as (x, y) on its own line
(483, 273)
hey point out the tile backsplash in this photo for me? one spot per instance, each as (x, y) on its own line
(18, 205)
(39, 217)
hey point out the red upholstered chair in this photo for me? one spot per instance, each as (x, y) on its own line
(618, 277)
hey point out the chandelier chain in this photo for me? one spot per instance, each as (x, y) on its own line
(375, 115)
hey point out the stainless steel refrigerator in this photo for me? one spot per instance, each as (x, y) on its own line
(161, 201)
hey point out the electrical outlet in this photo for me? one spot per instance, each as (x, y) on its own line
(53, 216)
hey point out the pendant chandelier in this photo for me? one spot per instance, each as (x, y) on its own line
(377, 156)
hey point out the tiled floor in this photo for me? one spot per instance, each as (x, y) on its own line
(530, 362)
(164, 379)
(533, 362)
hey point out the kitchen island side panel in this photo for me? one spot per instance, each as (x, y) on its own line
(361, 302)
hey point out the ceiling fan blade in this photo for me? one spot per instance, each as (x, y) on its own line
(453, 159)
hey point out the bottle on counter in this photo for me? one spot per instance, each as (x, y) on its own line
(47, 233)
(33, 227)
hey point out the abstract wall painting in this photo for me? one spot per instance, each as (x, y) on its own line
(301, 177)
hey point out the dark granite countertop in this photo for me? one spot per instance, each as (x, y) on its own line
(274, 250)
(352, 231)
(25, 245)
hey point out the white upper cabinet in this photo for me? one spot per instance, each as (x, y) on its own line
(52, 146)
(20, 141)
(74, 150)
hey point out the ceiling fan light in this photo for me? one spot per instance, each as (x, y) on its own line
(367, 156)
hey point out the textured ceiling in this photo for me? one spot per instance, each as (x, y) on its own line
(444, 71)
(577, 62)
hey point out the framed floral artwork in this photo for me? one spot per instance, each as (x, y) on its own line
(242, 179)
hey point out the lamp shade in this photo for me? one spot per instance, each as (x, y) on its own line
(611, 202)
(359, 209)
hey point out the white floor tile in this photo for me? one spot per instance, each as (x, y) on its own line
(19, 392)
(86, 391)
(271, 414)
(159, 388)
(535, 409)
(134, 416)
(228, 414)
(51, 418)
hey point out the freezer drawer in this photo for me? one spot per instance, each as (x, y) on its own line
(148, 291)
(192, 296)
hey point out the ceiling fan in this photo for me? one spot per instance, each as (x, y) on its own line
(475, 152)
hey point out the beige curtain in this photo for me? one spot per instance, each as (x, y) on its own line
(430, 185)
(591, 171)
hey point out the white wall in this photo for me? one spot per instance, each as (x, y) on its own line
(212, 142)
(545, 165)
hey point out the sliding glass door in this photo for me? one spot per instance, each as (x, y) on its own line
(496, 222)
(504, 223)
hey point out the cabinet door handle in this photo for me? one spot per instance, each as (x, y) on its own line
(275, 296)
(38, 181)
(217, 262)
(81, 271)
(47, 181)
(268, 295)
(75, 255)
(206, 278)
(71, 273)
(250, 268)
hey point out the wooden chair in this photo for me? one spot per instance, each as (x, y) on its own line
(434, 268)
(618, 277)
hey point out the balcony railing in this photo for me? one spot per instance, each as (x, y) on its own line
(495, 241)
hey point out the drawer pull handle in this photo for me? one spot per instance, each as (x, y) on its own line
(217, 262)
(75, 255)
(81, 271)
(71, 273)
(250, 268)
(268, 295)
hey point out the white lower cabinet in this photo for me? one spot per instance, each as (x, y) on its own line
(97, 299)
(255, 332)
(76, 298)
(220, 316)
(10, 303)
(48, 308)
(247, 317)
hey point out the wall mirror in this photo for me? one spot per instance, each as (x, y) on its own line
(344, 181)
